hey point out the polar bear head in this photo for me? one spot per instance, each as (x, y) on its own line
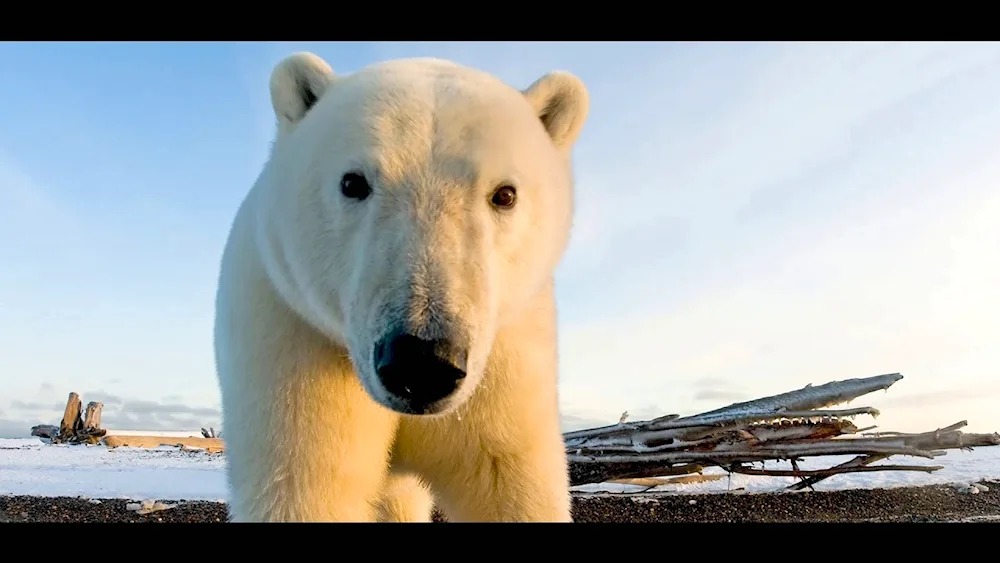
(409, 209)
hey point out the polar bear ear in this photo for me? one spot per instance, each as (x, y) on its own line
(561, 101)
(297, 83)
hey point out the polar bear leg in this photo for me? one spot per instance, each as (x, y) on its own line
(304, 441)
(298, 461)
(501, 457)
(512, 484)
(405, 498)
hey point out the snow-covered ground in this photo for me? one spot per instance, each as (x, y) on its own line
(30, 467)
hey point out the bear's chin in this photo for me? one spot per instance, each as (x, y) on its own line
(437, 409)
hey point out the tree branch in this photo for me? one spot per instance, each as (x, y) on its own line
(830, 472)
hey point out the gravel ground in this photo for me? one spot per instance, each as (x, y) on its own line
(912, 504)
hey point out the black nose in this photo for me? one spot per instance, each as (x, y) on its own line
(420, 372)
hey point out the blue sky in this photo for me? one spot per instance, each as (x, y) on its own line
(752, 218)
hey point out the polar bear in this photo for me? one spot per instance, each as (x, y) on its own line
(385, 330)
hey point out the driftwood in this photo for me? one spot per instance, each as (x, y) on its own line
(209, 445)
(92, 418)
(74, 429)
(71, 422)
(209, 433)
(789, 426)
(658, 481)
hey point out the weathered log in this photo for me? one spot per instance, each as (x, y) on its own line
(657, 481)
(92, 419)
(788, 426)
(89, 436)
(71, 422)
(585, 473)
(119, 440)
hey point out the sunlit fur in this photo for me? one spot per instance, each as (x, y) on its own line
(310, 280)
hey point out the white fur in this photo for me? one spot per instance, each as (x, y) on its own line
(309, 280)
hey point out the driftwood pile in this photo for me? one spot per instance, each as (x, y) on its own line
(85, 428)
(76, 427)
(790, 426)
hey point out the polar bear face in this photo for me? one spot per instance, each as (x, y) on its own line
(410, 209)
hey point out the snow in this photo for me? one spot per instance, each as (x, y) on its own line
(29, 466)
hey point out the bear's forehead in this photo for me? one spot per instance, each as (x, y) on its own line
(427, 92)
(425, 113)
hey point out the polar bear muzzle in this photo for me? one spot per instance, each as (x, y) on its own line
(419, 375)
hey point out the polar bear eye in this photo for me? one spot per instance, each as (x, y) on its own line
(504, 197)
(355, 186)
